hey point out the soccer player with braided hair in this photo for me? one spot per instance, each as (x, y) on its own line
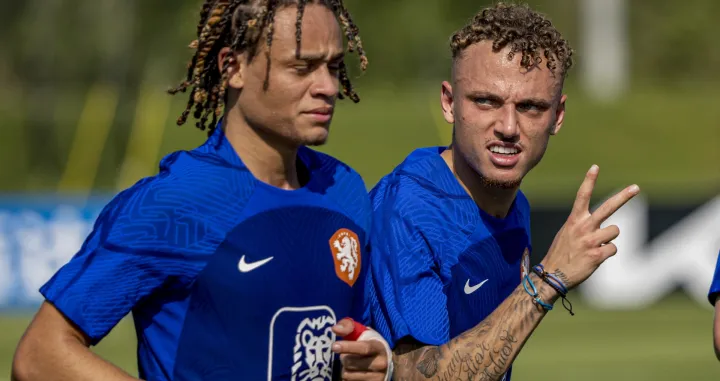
(242, 259)
(456, 296)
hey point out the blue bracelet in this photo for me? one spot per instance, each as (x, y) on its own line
(534, 293)
(555, 283)
(551, 279)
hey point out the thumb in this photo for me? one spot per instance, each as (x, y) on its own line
(344, 327)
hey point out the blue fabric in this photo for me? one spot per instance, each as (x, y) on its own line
(226, 277)
(431, 244)
(715, 285)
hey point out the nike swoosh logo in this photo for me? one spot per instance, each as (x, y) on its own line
(245, 267)
(469, 290)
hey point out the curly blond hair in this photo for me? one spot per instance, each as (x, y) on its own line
(526, 32)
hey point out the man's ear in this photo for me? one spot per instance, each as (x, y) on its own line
(447, 102)
(559, 116)
(235, 65)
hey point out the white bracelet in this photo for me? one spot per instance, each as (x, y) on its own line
(370, 334)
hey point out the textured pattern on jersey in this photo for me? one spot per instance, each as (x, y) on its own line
(404, 277)
(425, 223)
(154, 234)
(232, 314)
(349, 190)
(405, 267)
(349, 193)
(153, 245)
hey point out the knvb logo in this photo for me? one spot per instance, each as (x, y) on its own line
(643, 272)
(345, 248)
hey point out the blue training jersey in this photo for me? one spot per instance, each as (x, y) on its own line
(227, 278)
(440, 265)
(715, 285)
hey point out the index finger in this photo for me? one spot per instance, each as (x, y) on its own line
(609, 207)
(582, 200)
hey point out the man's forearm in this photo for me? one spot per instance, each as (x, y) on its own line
(70, 361)
(484, 352)
(76, 364)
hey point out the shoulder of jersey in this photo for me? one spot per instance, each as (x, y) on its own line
(401, 196)
(190, 202)
(344, 185)
(195, 177)
(410, 182)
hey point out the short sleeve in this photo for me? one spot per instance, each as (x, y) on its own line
(715, 285)
(407, 297)
(135, 247)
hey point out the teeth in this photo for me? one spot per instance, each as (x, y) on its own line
(504, 150)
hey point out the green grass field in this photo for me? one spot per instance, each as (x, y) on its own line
(668, 342)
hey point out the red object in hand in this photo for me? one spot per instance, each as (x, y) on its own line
(358, 329)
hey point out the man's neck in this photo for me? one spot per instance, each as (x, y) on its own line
(493, 201)
(268, 160)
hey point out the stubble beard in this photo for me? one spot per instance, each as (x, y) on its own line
(499, 184)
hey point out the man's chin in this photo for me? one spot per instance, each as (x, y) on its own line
(501, 182)
(315, 138)
(316, 142)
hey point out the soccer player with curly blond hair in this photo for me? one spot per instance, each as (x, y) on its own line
(455, 294)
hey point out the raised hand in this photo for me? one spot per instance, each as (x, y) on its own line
(581, 246)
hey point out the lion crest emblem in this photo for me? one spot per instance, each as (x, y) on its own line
(345, 248)
(312, 354)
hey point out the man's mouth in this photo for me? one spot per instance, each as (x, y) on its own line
(504, 150)
(504, 154)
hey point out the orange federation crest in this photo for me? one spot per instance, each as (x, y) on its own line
(525, 264)
(345, 249)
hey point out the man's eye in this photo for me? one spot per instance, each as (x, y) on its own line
(531, 107)
(302, 69)
(527, 107)
(487, 103)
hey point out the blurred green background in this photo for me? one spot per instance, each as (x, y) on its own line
(83, 100)
(84, 110)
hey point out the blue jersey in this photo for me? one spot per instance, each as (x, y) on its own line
(227, 278)
(715, 285)
(440, 265)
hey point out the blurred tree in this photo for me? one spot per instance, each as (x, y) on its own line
(53, 51)
(36, 68)
(675, 41)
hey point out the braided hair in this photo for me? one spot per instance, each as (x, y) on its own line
(239, 24)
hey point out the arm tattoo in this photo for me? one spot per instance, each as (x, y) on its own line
(428, 364)
(561, 275)
(484, 352)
